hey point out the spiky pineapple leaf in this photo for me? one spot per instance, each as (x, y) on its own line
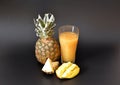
(41, 23)
(44, 27)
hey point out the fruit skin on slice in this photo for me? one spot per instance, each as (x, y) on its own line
(67, 71)
(55, 65)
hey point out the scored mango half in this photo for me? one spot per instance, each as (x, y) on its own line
(67, 70)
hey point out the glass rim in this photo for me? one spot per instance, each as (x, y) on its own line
(73, 27)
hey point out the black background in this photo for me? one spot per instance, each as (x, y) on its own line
(98, 52)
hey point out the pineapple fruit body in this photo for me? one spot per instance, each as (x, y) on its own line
(47, 48)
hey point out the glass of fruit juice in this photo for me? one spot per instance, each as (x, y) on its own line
(68, 38)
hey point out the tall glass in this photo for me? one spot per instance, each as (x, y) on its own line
(68, 38)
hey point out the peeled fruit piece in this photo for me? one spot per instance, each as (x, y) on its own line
(47, 68)
(67, 70)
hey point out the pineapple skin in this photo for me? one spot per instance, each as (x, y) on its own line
(47, 48)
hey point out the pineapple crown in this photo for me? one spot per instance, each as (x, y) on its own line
(44, 27)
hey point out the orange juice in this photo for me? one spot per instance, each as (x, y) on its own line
(68, 43)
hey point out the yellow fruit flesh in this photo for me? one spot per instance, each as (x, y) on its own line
(72, 72)
(67, 71)
(62, 69)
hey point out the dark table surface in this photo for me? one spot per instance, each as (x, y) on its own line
(98, 52)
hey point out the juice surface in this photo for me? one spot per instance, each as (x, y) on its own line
(68, 43)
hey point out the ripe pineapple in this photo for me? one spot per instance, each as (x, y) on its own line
(46, 45)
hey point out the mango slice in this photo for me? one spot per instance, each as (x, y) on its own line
(67, 70)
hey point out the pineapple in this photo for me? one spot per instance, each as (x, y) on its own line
(46, 46)
(50, 67)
